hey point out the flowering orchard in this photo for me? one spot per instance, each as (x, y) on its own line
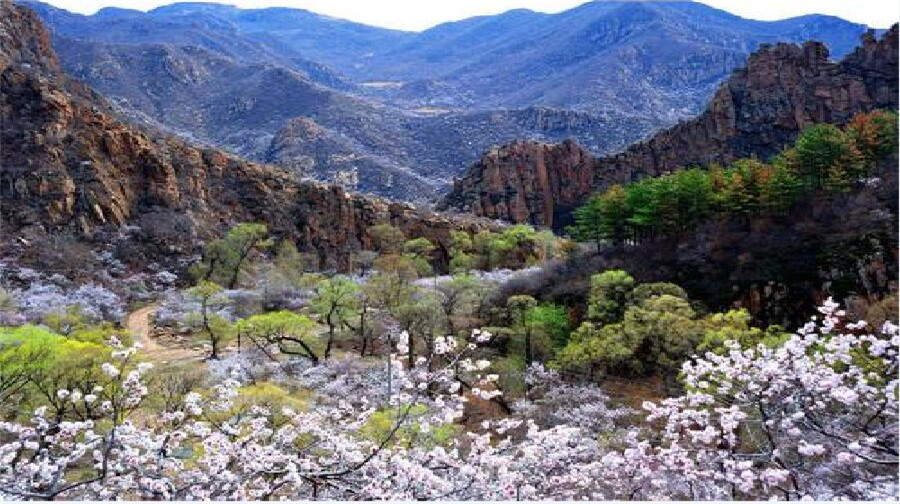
(815, 417)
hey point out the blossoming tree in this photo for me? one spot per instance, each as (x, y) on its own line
(815, 417)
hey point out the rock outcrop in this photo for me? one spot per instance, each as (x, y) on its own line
(69, 166)
(756, 112)
(527, 182)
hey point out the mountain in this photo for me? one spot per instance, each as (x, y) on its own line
(71, 169)
(662, 59)
(756, 112)
(401, 113)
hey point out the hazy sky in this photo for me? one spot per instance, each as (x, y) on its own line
(421, 14)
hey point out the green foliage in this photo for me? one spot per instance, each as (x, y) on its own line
(646, 328)
(644, 292)
(665, 330)
(513, 247)
(609, 347)
(823, 153)
(35, 363)
(226, 259)
(604, 217)
(611, 292)
(380, 424)
(418, 252)
(216, 328)
(266, 395)
(292, 333)
(550, 323)
(510, 369)
(734, 325)
(67, 322)
(824, 156)
(388, 239)
(336, 303)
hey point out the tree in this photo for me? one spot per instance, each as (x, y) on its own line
(693, 197)
(291, 333)
(336, 303)
(226, 258)
(284, 276)
(610, 295)
(645, 291)
(245, 442)
(213, 325)
(588, 226)
(807, 419)
(604, 217)
(418, 251)
(874, 134)
(666, 332)
(802, 420)
(363, 261)
(519, 308)
(24, 353)
(823, 153)
(419, 314)
(734, 325)
(457, 299)
(550, 327)
(633, 330)
(388, 239)
(781, 190)
(643, 200)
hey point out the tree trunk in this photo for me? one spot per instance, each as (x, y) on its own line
(330, 337)
(362, 330)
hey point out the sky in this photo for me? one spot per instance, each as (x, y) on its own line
(417, 15)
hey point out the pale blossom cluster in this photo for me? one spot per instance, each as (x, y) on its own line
(815, 417)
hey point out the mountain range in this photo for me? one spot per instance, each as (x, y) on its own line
(756, 112)
(400, 114)
(76, 180)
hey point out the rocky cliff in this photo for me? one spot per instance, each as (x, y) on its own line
(409, 111)
(70, 167)
(759, 109)
(526, 182)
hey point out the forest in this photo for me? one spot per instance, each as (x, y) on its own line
(202, 297)
(824, 158)
(255, 376)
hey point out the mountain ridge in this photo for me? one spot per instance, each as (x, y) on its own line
(757, 111)
(72, 169)
(237, 80)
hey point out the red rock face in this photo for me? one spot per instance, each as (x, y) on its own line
(756, 112)
(525, 182)
(70, 167)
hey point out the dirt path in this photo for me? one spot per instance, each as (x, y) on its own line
(138, 324)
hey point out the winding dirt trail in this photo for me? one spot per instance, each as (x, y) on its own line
(138, 324)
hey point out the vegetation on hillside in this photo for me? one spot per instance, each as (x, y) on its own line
(256, 376)
(824, 158)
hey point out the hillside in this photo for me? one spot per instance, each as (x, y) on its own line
(406, 112)
(758, 110)
(71, 169)
(661, 59)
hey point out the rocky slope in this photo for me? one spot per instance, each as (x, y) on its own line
(759, 109)
(777, 267)
(658, 58)
(407, 111)
(252, 109)
(71, 168)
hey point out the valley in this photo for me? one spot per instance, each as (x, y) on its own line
(628, 251)
(238, 80)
